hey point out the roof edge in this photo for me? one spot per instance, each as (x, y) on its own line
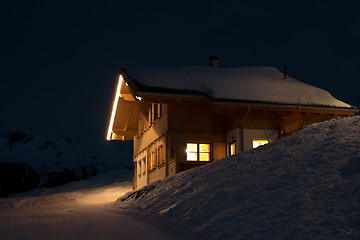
(141, 89)
(200, 95)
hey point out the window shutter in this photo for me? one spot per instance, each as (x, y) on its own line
(158, 110)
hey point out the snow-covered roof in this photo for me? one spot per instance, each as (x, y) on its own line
(253, 84)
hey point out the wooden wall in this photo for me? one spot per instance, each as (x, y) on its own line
(157, 129)
(194, 121)
(195, 116)
(157, 174)
(146, 142)
(255, 119)
(178, 146)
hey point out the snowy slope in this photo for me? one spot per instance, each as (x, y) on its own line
(306, 186)
(50, 154)
(264, 84)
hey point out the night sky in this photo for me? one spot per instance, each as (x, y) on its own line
(60, 59)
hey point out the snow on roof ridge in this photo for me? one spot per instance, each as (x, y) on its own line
(251, 83)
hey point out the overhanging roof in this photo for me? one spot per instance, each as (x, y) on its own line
(123, 119)
(246, 85)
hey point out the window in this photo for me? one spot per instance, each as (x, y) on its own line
(232, 148)
(191, 151)
(161, 155)
(156, 157)
(156, 108)
(260, 142)
(151, 114)
(152, 163)
(198, 152)
(143, 166)
(147, 118)
(139, 168)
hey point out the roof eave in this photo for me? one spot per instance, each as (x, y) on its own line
(240, 102)
(284, 105)
(145, 92)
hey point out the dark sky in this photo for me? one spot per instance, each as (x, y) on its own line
(59, 59)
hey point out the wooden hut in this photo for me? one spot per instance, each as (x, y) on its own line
(184, 117)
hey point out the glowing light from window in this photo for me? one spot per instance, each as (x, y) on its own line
(204, 153)
(259, 142)
(191, 151)
(115, 103)
(138, 98)
(195, 152)
(232, 148)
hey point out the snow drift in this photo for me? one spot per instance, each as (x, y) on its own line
(301, 187)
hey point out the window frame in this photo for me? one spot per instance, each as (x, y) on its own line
(155, 111)
(148, 116)
(198, 152)
(152, 160)
(156, 157)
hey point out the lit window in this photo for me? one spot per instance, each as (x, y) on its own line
(152, 160)
(259, 142)
(232, 148)
(191, 151)
(156, 157)
(204, 152)
(198, 152)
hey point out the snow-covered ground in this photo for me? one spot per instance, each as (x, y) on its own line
(79, 210)
(306, 186)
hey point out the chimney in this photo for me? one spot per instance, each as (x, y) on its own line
(214, 61)
(285, 73)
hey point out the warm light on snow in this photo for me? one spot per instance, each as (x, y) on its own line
(116, 100)
(102, 195)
